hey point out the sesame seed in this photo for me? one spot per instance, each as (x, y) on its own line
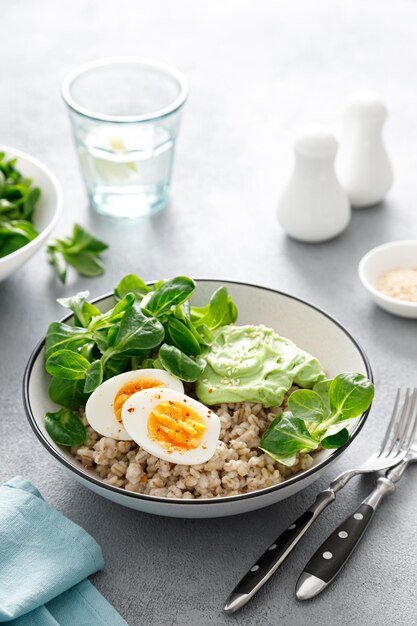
(399, 283)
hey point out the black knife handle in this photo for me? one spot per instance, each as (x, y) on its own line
(271, 558)
(333, 553)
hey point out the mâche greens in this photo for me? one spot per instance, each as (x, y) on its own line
(65, 428)
(317, 417)
(18, 199)
(81, 250)
(254, 364)
(146, 327)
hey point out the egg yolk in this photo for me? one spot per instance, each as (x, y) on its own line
(173, 424)
(129, 389)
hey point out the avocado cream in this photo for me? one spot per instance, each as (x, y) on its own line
(254, 364)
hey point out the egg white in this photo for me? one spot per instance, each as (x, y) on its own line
(135, 415)
(100, 405)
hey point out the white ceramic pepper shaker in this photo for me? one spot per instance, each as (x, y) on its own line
(313, 206)
(362, 165)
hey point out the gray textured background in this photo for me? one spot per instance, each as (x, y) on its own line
(257, 71)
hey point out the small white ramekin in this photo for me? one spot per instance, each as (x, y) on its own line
(383, 259)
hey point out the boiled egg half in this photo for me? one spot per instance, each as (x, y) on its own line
(171, 426)
(104, 407)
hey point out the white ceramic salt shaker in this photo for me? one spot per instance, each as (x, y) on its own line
(313, 206)
(362, 164)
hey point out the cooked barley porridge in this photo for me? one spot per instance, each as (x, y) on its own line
(237, 466)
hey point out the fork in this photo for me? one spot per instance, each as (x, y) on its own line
(333, 553)
(394, 448)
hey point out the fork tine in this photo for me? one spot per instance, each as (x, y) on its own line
(392, 427)
(411, 430)
(399, 422)
(406, 423)
(402, 426)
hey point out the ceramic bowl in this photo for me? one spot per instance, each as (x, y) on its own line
(310, 328)
(46, 213)
(383, 259)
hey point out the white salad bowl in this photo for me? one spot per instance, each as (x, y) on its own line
(382, 259)
(309, 327)
(47, 211)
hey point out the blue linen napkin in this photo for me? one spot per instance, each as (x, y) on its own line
(44, 561)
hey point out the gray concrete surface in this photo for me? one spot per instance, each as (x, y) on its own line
(257, 71)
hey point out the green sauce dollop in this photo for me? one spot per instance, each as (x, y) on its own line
(254, 364)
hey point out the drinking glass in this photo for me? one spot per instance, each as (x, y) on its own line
(125, 114)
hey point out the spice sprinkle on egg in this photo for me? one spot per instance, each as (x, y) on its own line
(104, 406)
(171, 426)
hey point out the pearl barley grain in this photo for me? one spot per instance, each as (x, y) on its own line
(237, 466)
(399, 283)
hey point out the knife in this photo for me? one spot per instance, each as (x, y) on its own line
(333, 553)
